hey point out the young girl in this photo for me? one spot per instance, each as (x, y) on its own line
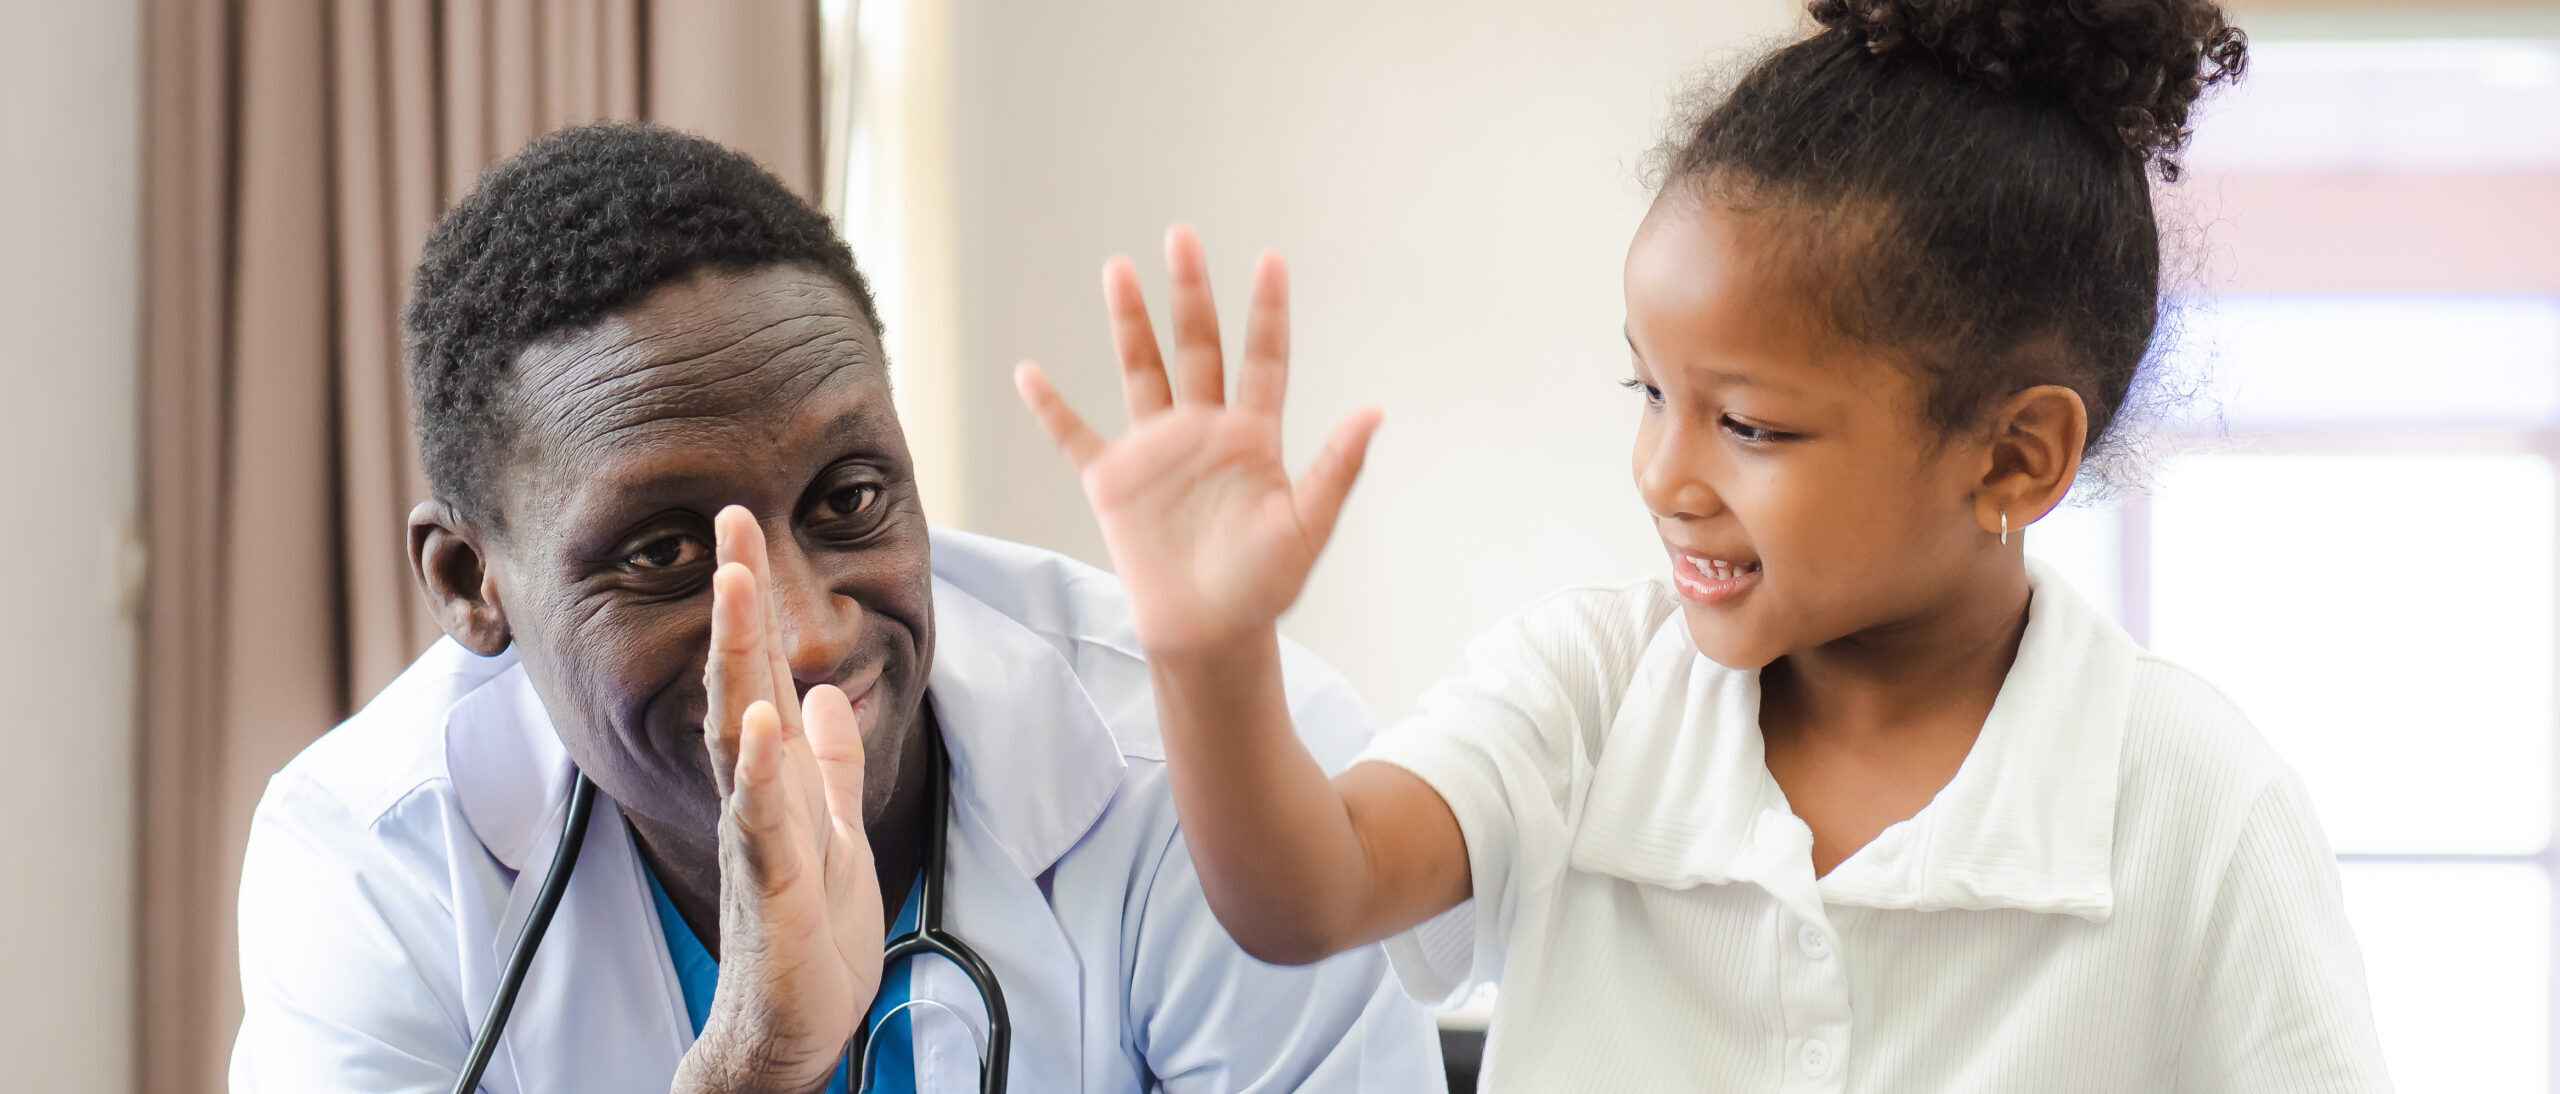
(1854, 797)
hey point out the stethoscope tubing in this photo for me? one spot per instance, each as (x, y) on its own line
(928, 938)
(555, 884)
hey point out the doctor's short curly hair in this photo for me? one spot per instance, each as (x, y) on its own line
(578, 225)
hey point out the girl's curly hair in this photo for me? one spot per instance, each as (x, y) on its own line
(1970, 180)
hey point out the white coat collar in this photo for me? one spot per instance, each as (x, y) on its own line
(1030, 756)
(1681, 793)
(510, 773)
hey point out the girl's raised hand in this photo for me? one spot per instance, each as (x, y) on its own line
(1211, 539)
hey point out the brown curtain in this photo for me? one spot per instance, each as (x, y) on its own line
(297, 151)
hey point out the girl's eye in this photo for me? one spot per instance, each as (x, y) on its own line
(1652, 394)
(1749, 433)
(668, 553)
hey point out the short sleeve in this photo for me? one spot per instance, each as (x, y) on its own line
(1509, 745)
(2281, 1002)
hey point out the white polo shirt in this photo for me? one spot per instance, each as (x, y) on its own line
(2122, 889)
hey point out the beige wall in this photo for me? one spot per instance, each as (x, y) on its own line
(69, 100)
(1454, 183)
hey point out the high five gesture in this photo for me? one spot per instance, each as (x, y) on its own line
(1210, 537)
(1213, 541)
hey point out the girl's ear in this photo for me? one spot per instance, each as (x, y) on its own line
(2036, 437)
(452, 568)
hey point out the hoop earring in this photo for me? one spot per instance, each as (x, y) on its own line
(2004, 527)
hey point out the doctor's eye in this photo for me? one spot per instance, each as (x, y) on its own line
(667, 553)
(848, 502)
(847, 505)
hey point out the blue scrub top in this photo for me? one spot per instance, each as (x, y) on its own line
(893, 1063)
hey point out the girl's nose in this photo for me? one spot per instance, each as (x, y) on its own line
(1670, 474)
(820, 630)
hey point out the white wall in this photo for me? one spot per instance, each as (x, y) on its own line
(70, 86)
(1454, 183)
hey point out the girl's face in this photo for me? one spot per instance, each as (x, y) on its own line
(1801, 496)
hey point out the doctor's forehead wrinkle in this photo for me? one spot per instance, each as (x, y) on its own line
(615, 380)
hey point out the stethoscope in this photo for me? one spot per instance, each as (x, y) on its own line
(927, 938)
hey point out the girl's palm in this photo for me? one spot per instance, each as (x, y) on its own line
(1211, 539)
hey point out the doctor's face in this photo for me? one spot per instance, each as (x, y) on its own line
(765, 389)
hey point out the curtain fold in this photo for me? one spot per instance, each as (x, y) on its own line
(296, 153)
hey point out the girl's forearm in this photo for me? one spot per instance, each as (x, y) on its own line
(1279, 858)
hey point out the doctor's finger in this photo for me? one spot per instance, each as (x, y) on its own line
(1144, 389)
(835, 740)
(735, 674)
(1264, 380)
(1199, 370)
(741, 540)
(761, 805)
(1065, 427)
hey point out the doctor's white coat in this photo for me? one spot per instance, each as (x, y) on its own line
(392, 863)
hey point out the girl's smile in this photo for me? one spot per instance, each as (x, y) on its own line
(1711, 581)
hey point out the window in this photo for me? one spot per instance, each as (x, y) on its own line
(2351, 530)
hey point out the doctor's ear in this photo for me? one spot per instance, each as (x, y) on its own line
(453, 570)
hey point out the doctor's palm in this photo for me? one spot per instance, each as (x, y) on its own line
(800, 910)
(1211, 539)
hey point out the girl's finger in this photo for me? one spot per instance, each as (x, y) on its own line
(1264, 380)
(1143, 384)
(1319, 493)
(735, 675)
(1065, 427)
(1199, 372)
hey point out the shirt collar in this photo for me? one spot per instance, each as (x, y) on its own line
(1681, 794)
(1030, 754)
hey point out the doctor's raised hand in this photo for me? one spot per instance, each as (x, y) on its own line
(800, 913)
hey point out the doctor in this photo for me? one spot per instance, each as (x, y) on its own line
(675, 545)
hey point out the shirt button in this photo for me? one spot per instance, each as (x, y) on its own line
(1815, 946)
(1817, 1058)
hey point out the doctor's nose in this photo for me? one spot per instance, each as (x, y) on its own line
(819, 628)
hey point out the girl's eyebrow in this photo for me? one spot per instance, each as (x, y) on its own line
(1732, 379)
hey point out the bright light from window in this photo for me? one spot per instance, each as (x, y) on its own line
(2387, 623)
(2461, 105)
(2351, 360)
(2459, 958)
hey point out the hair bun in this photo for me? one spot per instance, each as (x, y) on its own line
(2132, 68)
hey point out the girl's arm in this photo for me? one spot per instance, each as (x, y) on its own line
(1212, 542)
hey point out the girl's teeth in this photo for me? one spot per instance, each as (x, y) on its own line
(1719, 569)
